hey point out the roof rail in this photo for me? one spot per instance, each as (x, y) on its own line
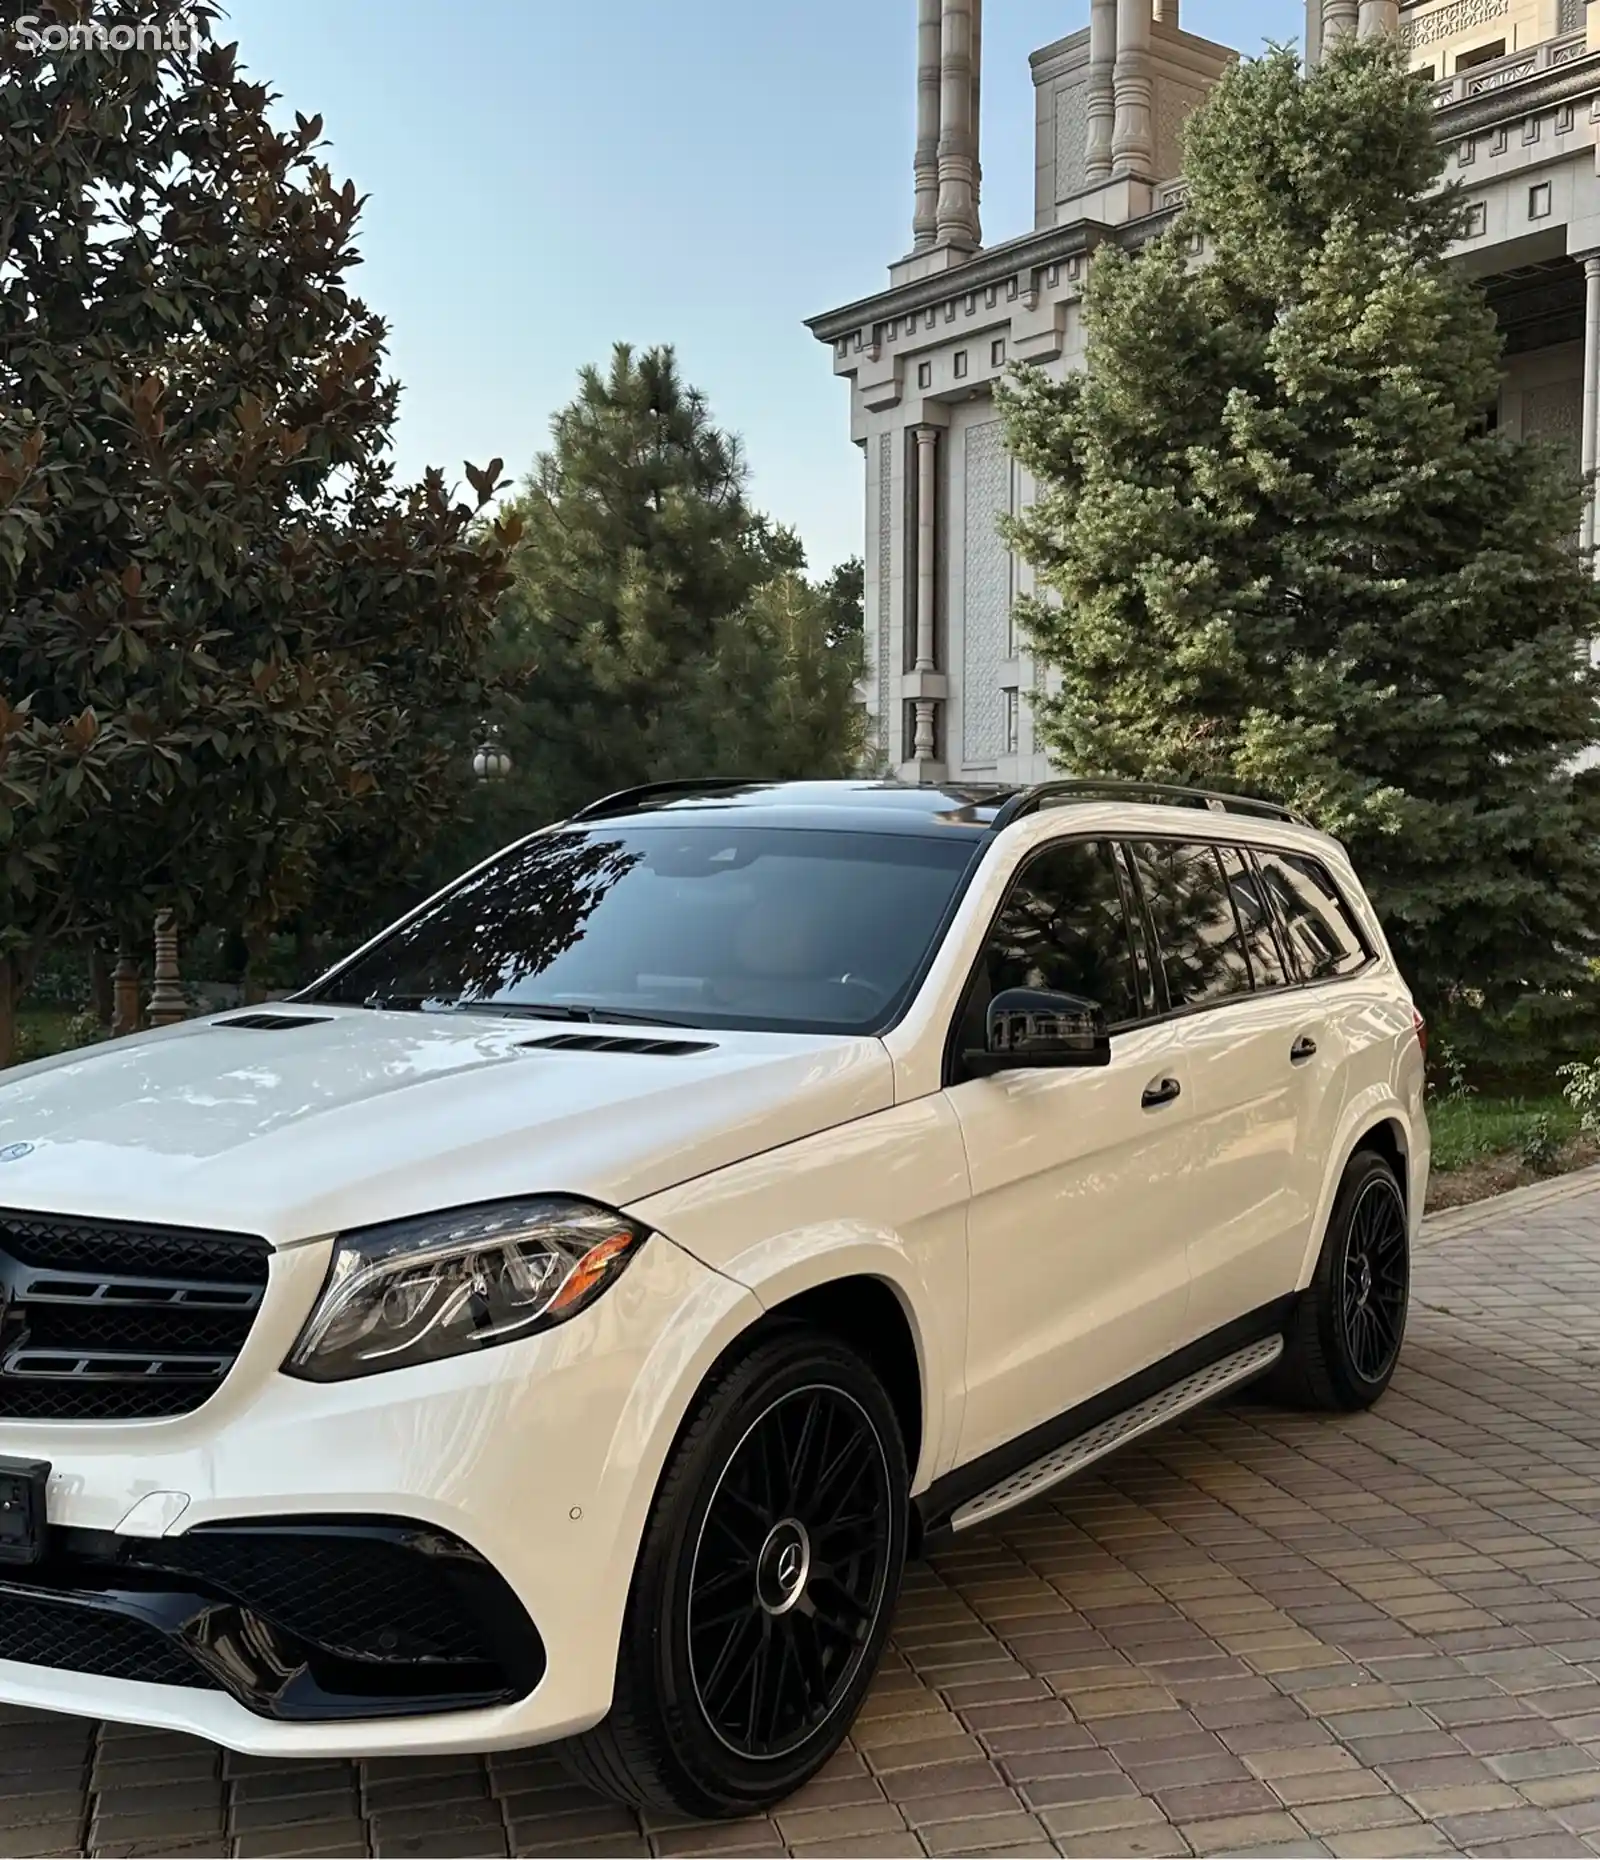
(1030, 800)
(625, 797)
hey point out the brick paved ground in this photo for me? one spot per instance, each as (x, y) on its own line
(1258, 1633)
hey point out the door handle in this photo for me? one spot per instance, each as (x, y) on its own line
(1303, 1049)
(1159, 1092)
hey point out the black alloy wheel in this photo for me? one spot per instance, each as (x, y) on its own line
(764, 1586)
(1344, 1339)
(1374, 1279)
(789, 1571)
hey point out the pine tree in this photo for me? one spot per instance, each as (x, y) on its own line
(658, 626)
(1285, 552)
(638, 542)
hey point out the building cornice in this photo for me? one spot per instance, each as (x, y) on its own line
(1577, 78)
(1032, 252)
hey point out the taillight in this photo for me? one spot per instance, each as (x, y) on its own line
(1421, 1028)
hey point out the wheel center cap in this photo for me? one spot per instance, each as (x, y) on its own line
(1363, 1283)
(783, 1566)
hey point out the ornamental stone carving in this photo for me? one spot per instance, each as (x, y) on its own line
(1444, 22)
(1072, 138)
(987, 593)
(1554, 414)
(886, 722)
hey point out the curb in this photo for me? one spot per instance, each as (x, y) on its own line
(1450, 1222)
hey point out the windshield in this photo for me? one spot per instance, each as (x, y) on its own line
(736, 926)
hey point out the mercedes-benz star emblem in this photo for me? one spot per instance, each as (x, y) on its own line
(789, 1565)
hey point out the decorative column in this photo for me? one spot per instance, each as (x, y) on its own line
(1339, 19)
(924, 739)
(1377, 18)
(925, 217)
(125, 1012)
(167, 1005)
(1166, 11)
(958, 207)
(1591, 395)
(927, 492)
(1101, 95)
(1133, 137)
(976, 130)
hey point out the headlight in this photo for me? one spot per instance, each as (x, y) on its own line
(413, 1291)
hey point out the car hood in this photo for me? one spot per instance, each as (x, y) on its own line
(362, 1116)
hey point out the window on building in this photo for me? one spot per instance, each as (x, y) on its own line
(997, 352)
(924, 374)
(961, 364)
(1539, 201)
(1477, 220)
(1197, 933)
(1013, 726)
(1481, 55)
(1426, 71)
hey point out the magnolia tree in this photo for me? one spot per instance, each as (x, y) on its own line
(1284, 551)
(228, 639)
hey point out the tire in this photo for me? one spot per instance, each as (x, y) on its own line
(745, 1654)
(1345, 1338)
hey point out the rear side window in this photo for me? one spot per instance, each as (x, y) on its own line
(1063, 927)
(1255, 918)
(1197, 934)
(1323, 937)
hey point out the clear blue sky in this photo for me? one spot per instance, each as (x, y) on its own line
(546, 178)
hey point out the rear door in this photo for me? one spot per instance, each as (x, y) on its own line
(1344, 1001)
(1078, 1269)
(1237, 1018)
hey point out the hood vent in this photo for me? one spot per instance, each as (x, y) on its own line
(273, 1023)
(619, 1043)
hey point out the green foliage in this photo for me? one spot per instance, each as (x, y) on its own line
(229, 638)
(1471, 1130)
(1447, 1074)
(1284, 554)
(1582, 1091)
(1541, 1147)
(657, 626)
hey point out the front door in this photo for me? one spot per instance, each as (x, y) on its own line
(1076, 1260)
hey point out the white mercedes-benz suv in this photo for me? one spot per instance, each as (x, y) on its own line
(562, 1320)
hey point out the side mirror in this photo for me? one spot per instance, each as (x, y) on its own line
(1028, 1028)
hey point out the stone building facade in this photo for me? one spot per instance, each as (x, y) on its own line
(1517, 96)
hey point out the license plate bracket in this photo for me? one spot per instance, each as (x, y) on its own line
(22, 1510)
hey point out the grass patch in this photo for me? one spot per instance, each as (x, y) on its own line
(1466, 1130)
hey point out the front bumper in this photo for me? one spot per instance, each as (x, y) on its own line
(512, 1483)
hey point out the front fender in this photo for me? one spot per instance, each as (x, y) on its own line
(883, 1198)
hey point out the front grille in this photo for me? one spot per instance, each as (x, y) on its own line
(105, 1320)
(85, 1640)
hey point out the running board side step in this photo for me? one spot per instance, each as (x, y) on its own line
(1142, 1418)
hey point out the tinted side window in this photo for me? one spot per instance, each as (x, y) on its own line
(1255, 918)
(1063, 927)
(1324, 941)
(1197, 933)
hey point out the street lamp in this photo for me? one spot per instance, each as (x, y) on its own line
(489, 761)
